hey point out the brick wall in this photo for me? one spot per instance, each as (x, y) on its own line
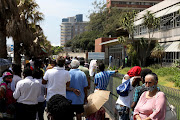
(101, 48)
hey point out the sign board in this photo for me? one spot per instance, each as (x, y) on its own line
(96, 55)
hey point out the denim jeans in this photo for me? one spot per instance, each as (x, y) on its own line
(123, 112)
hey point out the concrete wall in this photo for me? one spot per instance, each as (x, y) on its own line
(72, 54)
(164, 35)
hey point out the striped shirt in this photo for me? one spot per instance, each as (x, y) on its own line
(102, 79)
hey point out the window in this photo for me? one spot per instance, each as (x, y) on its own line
(142, 29)
(136, 30)
(167, 22)
(177, 21)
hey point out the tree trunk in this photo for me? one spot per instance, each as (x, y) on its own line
(3, 47)
(17, 56)
(161, 61)
(144, 61)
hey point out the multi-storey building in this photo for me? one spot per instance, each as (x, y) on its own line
(132, 4)
(71, 27)
(168, 34)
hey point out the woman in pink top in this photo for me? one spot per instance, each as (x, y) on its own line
(152, 103)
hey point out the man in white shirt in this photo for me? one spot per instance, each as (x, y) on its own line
(56, 79)
(27, 92)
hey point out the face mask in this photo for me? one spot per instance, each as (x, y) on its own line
(151, 88)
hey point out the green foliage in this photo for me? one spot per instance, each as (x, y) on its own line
(164, 71)
(175, 79)
(122, 40)
(57, 49)
(158, 51)
(177, 63)
(173, 72)
(127, 21)
(132, 54)
(170, 73)
(150, 21)
(84, 41)
(104, 20)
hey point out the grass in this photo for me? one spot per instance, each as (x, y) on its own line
(164, 75)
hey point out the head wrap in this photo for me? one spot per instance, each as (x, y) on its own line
(134, 71)
(6, 74)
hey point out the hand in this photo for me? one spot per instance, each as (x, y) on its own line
(116, 71)
(77, 92)
(138, 117)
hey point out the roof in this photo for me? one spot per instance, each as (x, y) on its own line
(163, 8)
(172, 47)
(109, 42)
(129, 40)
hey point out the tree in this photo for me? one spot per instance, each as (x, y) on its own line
(84, 41)
(57, 49)
(28, 31)
(142, 46)
(103, 23)
(158, 52)
(127, 23)
(104, 20)
(152, 23)
(8, 12)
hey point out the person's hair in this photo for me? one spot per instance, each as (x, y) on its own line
(101, 66)
(38, 63)
(82, 62)
(60, 61)
(32, 58)
(155, 77)
(27, 72)
(37, 73)
(68, 57)
(53, 62)
(74, 63)
(28, 65)
(17, 70)
(144, 72)
(59, 107)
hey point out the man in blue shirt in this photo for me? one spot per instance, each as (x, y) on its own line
(101, 79)
(79, 82)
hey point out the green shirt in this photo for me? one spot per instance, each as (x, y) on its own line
(85, 70)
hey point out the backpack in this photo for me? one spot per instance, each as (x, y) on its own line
(123, 89)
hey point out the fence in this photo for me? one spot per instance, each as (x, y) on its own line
(173, 96)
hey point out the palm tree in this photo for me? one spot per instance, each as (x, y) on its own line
(8, 12)
(151, 23)
(24, 37)
(158, 52)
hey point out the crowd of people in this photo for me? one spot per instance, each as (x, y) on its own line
(146, 101)
(61, 87)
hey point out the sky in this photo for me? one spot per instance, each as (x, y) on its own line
(55, 10)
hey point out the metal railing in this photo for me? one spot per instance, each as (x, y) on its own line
(173, 96)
